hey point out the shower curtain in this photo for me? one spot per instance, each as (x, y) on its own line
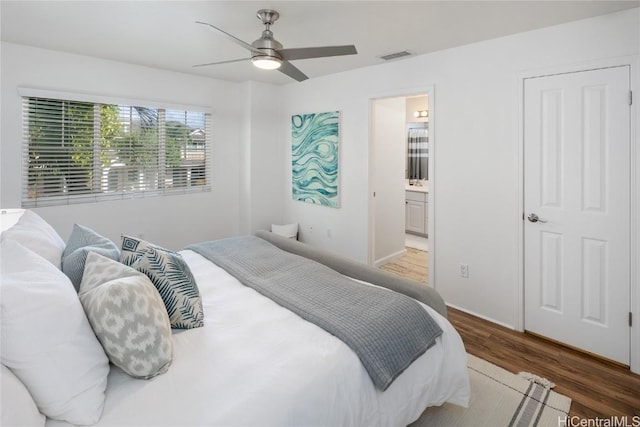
(418, 154)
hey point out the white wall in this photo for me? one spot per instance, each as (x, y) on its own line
(262, 153)
(172, 221)
(476, 116)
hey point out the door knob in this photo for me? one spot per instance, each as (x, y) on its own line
(535, 218)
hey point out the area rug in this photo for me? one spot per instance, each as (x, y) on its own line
(500, 398)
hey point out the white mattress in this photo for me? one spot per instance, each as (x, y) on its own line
(256, 363)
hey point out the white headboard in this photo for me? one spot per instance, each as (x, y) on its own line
(8, 217)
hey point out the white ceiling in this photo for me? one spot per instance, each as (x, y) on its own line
(163, 34)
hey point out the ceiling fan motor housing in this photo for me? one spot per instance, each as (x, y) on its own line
(266, 43)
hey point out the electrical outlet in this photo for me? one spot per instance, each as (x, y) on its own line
(464, 270)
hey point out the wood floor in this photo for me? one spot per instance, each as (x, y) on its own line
(413, 265)
(598, 389)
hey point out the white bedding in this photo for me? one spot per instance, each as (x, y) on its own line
(256, 363)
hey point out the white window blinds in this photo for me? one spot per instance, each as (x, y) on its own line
(78, 152)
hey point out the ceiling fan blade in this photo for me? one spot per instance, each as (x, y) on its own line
(232, 38)
(221, 62)
(316, 52)
(291, 71)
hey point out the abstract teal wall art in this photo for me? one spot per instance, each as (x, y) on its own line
(314, 153)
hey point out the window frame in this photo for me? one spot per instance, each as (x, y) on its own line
(28, 201)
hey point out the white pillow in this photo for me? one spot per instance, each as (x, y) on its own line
(18, 407)
(36, 234)
(46, 338)
(9, 217)
(287, 230)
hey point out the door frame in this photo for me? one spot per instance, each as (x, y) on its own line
(634, 65)
(430, 92)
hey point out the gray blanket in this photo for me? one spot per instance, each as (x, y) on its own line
(387, 330)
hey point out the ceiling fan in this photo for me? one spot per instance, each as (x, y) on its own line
(267, 53)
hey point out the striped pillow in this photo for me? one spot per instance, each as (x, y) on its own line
(82, 241)
(171, 276)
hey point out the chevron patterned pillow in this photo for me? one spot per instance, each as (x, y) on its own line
(171, 275)
(128, 317)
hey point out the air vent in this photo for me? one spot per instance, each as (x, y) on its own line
(395, 55)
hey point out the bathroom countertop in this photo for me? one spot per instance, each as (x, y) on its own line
(418, 188)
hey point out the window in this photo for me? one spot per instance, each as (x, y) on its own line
(78, 152)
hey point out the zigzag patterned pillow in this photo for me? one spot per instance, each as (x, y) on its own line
(128, 317)
(171, 276)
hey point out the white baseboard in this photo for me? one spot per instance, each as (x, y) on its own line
(390, 258)
(488, 319)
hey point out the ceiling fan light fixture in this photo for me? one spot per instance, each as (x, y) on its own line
(266, 62)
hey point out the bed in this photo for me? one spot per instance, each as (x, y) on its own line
(250, 361)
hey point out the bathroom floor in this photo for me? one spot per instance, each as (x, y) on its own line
(417, 242)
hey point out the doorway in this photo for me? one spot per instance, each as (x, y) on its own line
(577, 210)
(390, 119)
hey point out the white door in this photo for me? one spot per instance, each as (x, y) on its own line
(577, 209)
(389, 157)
